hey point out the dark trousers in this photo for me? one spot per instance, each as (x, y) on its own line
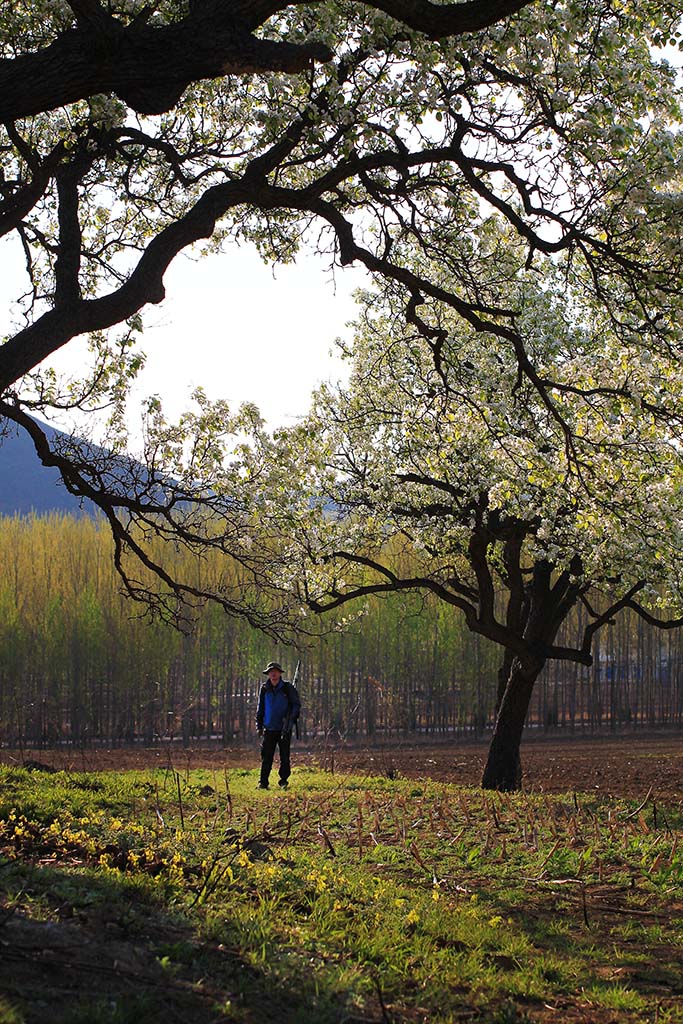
(273, 738)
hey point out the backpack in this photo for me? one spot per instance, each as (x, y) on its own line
(292, 697)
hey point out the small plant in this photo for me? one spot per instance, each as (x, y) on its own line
(9, 1014)
(508, 1014)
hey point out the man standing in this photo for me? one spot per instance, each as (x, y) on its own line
(278, 711)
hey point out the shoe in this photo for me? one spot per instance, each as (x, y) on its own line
(283, 783)
(263, 785)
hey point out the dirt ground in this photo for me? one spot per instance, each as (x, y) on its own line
(625, 765)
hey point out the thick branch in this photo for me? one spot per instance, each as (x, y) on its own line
(72, 317)
(392, 584)
(145, 284)
(150, 66)
(607, 616)
(20, 200)
(652, 620)
(581, 657)
(457, 493)
(440, 20)
(67, 266)
(55, 328)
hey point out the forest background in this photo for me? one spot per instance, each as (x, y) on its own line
(77, 665)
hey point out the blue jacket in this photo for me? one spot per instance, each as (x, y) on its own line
(278, 707)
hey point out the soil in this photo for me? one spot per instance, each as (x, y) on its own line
(625, 765)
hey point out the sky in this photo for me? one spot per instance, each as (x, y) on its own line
(241, 329)
(255, 333)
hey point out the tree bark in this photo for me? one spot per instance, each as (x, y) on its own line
(503, 677)
(149, 66)
(504, 767)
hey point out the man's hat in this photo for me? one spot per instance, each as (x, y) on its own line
(272, 664)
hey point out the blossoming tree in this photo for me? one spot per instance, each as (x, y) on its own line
(131, 131)
(518, 498)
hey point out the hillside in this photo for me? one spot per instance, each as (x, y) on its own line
(26, 485)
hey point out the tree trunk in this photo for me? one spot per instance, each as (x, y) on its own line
(504, 768)
(503, 677)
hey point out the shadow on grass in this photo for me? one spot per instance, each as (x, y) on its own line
(79, 947)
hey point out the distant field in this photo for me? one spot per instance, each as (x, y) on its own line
(625, 765)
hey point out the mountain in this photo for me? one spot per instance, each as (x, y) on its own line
(26, 485)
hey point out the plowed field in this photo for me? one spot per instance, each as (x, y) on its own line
(625, 765)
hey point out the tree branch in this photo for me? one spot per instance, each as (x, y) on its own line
(440, 20)
(607, 616)
(19, 202)
(150, 66)
(652, 620)
(75, 316)
(138, 505)
(67, 265)
(147, 67)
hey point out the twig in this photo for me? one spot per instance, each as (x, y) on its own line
(584, 906)
(640, 807)
(327, 841)
(385, 1013)
(180, 801)
(554, 850)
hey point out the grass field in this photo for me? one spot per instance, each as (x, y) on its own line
(162, 895)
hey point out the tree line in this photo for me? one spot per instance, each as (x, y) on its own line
(78, 665)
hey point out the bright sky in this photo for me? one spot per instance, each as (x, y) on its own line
(246, 331)
(242, 330)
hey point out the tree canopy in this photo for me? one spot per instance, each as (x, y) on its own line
(372, 131)
(516, 509)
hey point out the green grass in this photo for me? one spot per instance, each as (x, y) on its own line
(161, 896)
